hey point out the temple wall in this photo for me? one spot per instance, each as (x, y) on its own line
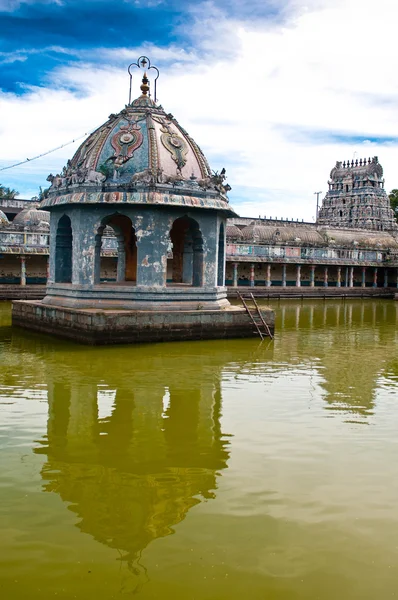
(10, 269)
(260, 275)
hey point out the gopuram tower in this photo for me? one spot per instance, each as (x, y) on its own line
(357, 198)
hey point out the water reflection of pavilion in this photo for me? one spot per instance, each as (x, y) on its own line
(133, 475)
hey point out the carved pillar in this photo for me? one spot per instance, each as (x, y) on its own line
(283, 275)
(338, 283)
(346, 277)
(325, 277)
(187, 260)
(298, 276)
(351, 280)
(23, 270)
(121, 260)
(235, 274)
(375, 277)
(363, 282)
(97, 259)
(386, 278)
(269, 282)
(252, 275)
(312, 275)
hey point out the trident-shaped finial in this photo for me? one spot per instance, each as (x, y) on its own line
(143, 63)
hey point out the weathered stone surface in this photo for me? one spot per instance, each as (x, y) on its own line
(100, 327)
(147, 298)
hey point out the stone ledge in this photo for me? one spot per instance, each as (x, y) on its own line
(138, 298)
(99, 327)
(309, 292)
(11, 291)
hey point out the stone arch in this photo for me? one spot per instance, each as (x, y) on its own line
(63, 251)
(221, 257)
(188, 256)
(125, 242)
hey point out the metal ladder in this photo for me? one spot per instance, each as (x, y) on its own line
(256, 316)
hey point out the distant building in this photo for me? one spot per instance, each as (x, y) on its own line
(12, 206)
(357, 198)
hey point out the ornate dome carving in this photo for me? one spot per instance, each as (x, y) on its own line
(140, 155)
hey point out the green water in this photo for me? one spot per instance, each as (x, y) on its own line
(204, 470)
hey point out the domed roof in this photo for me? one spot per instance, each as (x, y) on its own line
(140, 155)
(3, 219)
(234, 233)
(281, 233)
(362, 238)
(32, 217)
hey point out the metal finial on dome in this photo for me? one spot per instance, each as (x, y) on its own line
(144, 87)
(143, 63)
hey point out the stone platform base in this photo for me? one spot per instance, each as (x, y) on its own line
(98, 327)
(124, 296)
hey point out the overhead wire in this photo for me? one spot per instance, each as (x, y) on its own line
(23, 162)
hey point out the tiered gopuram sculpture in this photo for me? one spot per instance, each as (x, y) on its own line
(357, 198)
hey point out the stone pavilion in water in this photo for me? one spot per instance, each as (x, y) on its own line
(141, 175)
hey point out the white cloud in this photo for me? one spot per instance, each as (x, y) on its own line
(329, 67)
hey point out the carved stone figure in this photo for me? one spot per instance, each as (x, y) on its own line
(145, 177)
(160, 176)
(55, 180)
(175, 180)
(95, 177)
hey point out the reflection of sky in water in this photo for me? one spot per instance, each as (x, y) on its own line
(223, 468)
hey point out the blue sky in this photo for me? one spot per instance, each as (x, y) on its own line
(37, 37)
(274, 91)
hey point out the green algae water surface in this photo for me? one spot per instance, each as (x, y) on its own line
(204, 470)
